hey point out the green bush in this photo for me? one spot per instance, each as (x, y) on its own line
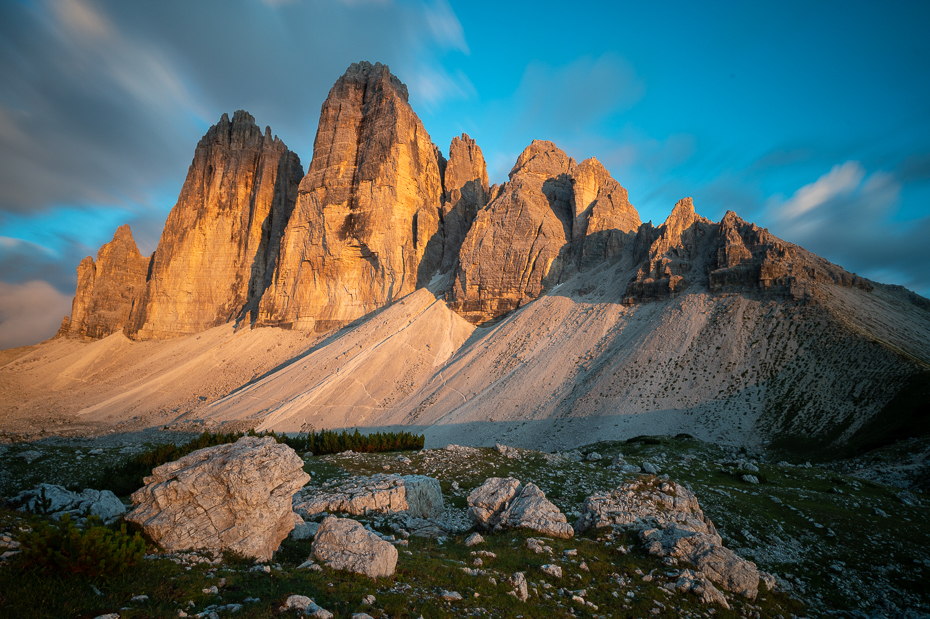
(63, 548)
(331, 442)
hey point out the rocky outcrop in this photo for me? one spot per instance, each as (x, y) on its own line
(502, 503)
(552, 218)
(671, 524)
(416, 495)
(57, 501)
(366, 228)
(108, 288)
(732, 256)
(605, 222)
(673, 253)
(344, 544)
(465, 192)
(749, 257)
(220, 244)
(230, 497)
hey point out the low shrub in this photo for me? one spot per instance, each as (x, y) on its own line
(331, 442)
(63, 548)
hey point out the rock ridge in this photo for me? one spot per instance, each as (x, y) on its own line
(107, 288)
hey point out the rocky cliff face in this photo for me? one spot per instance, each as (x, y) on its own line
(465, 192)
(107, 288)
(552, 218)
(512, 250)
(366, 229)
(219, 246)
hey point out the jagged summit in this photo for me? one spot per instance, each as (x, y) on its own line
(366, 229)
(107, 288)
(220, 243)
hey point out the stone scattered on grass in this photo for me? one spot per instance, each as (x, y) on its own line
(344, 544)
(502, 503)
(54, 500)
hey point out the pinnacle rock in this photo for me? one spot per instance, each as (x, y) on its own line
(107, 288)
(219, 247)
(366, 229)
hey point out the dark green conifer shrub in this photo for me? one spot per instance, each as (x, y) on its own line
(63, 548)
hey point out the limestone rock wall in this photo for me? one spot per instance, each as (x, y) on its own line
(220, 243)
(107, 288)
(465, 192)
(552, 218)
(366, 229)
(512, 250)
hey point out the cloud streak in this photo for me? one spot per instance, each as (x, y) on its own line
(30, 312)
(850, 216)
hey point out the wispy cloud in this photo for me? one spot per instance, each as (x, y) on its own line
(841, 182)
(850, 216)
(30, 312)
(445, 26)
(574, 96)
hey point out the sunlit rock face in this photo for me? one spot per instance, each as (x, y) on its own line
(552, 218)
(605, 222)
(219, 246)
(465, 192)
(367, 227)
(107, 288)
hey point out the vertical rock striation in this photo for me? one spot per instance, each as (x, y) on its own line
(551, 218)
(219, 246)
(366, 229)
(107, 288)
(465, 192)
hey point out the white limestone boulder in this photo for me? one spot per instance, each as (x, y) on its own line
(229, 497)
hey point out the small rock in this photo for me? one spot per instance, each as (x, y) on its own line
(520, 589)
(551, 569)
(593, 457)
(650, 468)
(211, 590)
(750, 479)
(474, 539)
(451, 596)
(369, 599)
(139, 598)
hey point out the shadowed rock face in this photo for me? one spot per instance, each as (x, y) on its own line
(552, 218)
(220, 243)
(730, 256)
(107, 288)
(366, 229)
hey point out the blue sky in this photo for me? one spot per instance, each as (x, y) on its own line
(811, 119)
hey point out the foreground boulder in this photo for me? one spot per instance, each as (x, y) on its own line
(502, 503)
(416, 495)
(671, 524)
(57, 501)
(230, 497)
(344, 544)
